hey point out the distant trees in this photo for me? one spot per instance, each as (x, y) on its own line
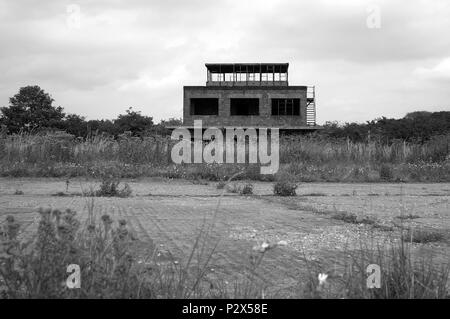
(75, 124)
(31, 108)
(417, 126)
(133, 122)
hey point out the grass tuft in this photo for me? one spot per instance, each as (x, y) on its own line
(284, 188)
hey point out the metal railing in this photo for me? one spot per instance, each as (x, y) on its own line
(311, 105)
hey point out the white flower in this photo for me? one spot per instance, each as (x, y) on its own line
(322, 279)
(265, 245)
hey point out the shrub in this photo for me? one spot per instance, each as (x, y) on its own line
(233, 188)
(386, 172)
(247, 189)
(110, 188)
(423, 236)
(221, 185)
(18, 192)
(284, 188)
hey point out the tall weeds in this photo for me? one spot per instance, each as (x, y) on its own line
(309, 158)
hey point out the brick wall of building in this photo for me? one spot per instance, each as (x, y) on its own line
(265, 95)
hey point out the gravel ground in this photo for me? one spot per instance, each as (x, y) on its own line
(169, 213)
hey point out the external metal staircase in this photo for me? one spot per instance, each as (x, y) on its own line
(311, 105)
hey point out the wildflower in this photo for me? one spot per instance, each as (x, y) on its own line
(262, 248)
(322, 279)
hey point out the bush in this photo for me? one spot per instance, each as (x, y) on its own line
(110, 188)
(386, 172)
(423, 236)
(221, 185)
(247, 189)
(284, 188)
(233, 188)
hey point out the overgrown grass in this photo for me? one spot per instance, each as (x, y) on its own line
(402, 275)
(305, 158)
(115, 264)
(424, 236)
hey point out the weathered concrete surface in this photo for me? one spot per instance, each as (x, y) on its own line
(169, 214)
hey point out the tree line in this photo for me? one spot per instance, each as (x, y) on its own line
(32, 110)
(418, 126)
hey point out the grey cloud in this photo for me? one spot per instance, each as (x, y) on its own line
(125, 48)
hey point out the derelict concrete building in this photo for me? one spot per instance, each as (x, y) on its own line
(250, 95)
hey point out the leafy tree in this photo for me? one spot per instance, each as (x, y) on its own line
(416, 126)
(31, 108)
(76, 125)
(133, 121)
(172, 122)
(101, 126)
(162, 127)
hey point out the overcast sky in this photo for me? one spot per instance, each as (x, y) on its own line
(120, 53)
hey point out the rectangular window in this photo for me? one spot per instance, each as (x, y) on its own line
(244, 106)
(204, 106)
(289, 107)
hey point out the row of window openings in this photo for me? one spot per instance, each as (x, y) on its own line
(244, 77)
(210, 106)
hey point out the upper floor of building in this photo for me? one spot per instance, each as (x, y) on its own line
(247, 74)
